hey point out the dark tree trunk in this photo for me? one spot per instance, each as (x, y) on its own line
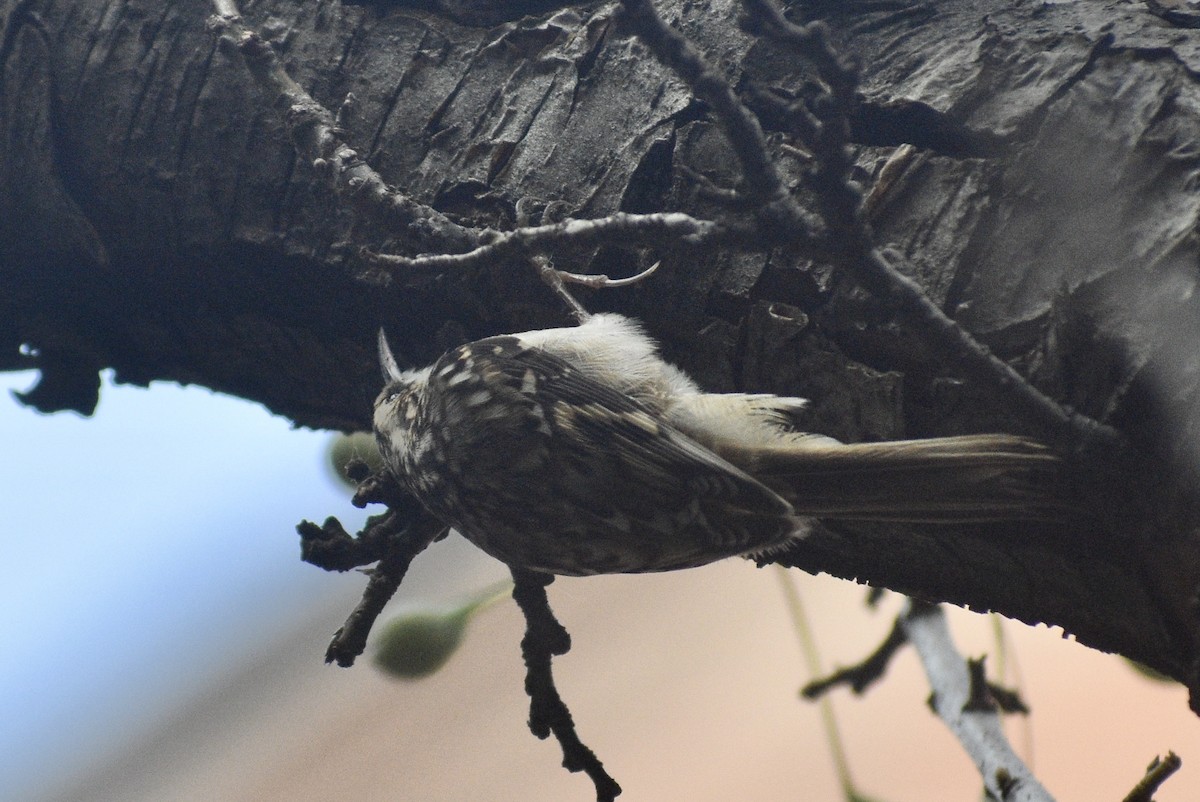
(155, 219)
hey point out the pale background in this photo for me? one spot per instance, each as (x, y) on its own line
(162, 641)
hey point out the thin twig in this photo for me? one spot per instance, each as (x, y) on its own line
(864, 674)
(602, 282)
(808, 645)
(661, 228)
(554, 280)
(544, 639)
(317, 138)
(709, 190)
(853, 249)
(810, 39)
(351, 639)
(980, 732)
(742, 129)
(1156, 774)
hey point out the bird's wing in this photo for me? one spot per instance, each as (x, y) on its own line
(590, 419)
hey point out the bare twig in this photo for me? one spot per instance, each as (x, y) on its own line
(852, 247)
(1005, 776)
(742, 128)
(351, 639)
(662, 228)
(544, 639)
(558, 279)
(708, 189)
(1156, 774)
(317, 137)
(601, 282)
(811, 40)
(864, 674)
(779, 218)
(554, 280)
(808, 645)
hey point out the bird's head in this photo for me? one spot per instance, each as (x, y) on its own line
(393, 410)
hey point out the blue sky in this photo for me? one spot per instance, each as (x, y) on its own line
(144, 548)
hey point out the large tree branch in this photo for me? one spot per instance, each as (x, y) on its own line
(217, 256)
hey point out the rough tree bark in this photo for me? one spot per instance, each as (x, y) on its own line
(154, 219)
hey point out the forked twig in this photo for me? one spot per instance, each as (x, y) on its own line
(545, 638)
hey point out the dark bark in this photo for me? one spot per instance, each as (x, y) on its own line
(155, 219)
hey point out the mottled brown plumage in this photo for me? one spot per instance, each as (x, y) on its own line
(579, 451)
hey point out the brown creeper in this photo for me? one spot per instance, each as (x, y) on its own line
(580, 451)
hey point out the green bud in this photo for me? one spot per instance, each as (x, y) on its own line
(417, 643)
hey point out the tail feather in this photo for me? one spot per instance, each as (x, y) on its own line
(974, 478)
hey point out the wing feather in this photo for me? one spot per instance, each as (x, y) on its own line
(629, 484)
(600, 419)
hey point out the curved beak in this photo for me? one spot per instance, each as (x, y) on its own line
(387, 361)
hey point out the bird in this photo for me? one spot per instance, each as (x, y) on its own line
(580, 451)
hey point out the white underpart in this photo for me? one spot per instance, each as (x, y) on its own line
(609, 348)
(615, 350)
(748, 420)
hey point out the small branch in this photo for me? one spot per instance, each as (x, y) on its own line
(861, 676)
(852, 247)
(662, 228)
(779, 219)
(1156, 774)
(317, 138)
(351, 639)
(810, 40)
(545, 638)
(330, 547)
(762, 179)
(392, 540)
(1004, 774)
(602, 282)
(1064, 428)
(706, 188)
(555, 280)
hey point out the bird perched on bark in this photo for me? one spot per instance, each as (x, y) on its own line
(581, 451)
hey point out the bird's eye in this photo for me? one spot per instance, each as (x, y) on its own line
(389, 396)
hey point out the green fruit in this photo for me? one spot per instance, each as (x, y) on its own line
(417, 644)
